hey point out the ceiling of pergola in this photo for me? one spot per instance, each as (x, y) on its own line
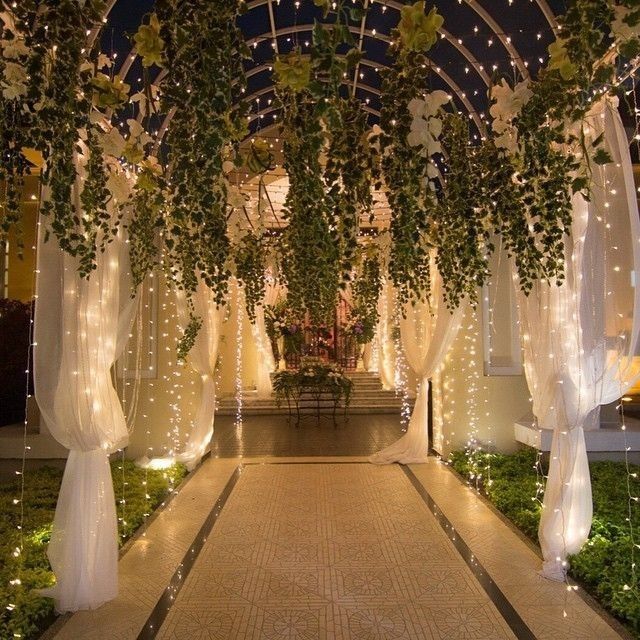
(478, 41)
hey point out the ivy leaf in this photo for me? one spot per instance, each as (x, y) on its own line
(630, 48)
(601, 156)
(579, 184)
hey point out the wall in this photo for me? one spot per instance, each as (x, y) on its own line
(481, 390)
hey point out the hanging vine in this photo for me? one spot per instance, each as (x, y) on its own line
(407, 170)
(366, 290)
(539, 130)
(318, 244)
(310, 251)
(349, 178)
(463, 239)
(204, 53)
(50, 86)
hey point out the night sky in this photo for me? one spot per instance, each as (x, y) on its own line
(475, 48)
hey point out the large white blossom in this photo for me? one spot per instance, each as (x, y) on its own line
(14, 81)
(426, 127)
(13, 49)
(507, 105)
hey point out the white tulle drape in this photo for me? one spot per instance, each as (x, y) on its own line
(202, 359)
(266, 360)
(580, 338)
(81, 327)
(427, 331)
(385, 345)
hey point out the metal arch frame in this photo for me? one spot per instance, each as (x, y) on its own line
(375, 65)
(263, 112)
(482, 12)
(369, 63)
(473, 4)
(363, 26)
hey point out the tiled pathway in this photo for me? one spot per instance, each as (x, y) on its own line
(315, 548)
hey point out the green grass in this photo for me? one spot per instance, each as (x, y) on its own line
(604, 565)
(32, 613)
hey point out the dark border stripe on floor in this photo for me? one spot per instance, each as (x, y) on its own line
(504, 607)
(168, 597)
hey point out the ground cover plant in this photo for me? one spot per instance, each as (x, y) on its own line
(23, 613)
(605, 565)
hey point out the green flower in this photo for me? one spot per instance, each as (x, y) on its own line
(559, 59)
(149, 44)
(109, 94)
(419, 31)
(293, 71)
(259, 158)
(325, 5)
(133, 152)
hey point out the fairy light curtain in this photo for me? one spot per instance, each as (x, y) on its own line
(202, 359)
(266, 359)
(384, 331)
(81, 328)
(579, 339)
(427, 329)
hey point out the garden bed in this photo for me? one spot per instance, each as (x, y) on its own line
(23, 613)
(604, 566)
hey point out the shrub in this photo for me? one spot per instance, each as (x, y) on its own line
(604, 564)
(33, 613)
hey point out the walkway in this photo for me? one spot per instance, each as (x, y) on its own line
(332, 548)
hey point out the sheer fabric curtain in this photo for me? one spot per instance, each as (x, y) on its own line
(266, 362)
(579, 339)
(427, 331)
(81, 327)
(202, 359)
(385, 345)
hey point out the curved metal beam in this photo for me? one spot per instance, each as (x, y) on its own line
(462, 96)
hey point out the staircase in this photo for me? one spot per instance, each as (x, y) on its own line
(368, 396)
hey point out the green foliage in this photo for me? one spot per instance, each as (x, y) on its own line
(188, 339)
(33, 613)
(604, 565)
(348, 176)
(462, 238)
(204, 53)
(147, 206)
(319, 242)
(406, 179)
(310, 252)
(48, 111)
(366, 291)
(249, 257)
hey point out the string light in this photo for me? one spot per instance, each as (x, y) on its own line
(239, 332)
(401, 367)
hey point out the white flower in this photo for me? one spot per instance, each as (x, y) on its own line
(113, 143)
(138, 132)
(104, 61)
(13, 49)
(228, 166)
(508, 104)
(426, 128)
(235, 198)
(417, 108)
(434, 101)
(621, 30)
(14, 84)
(118, 185)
